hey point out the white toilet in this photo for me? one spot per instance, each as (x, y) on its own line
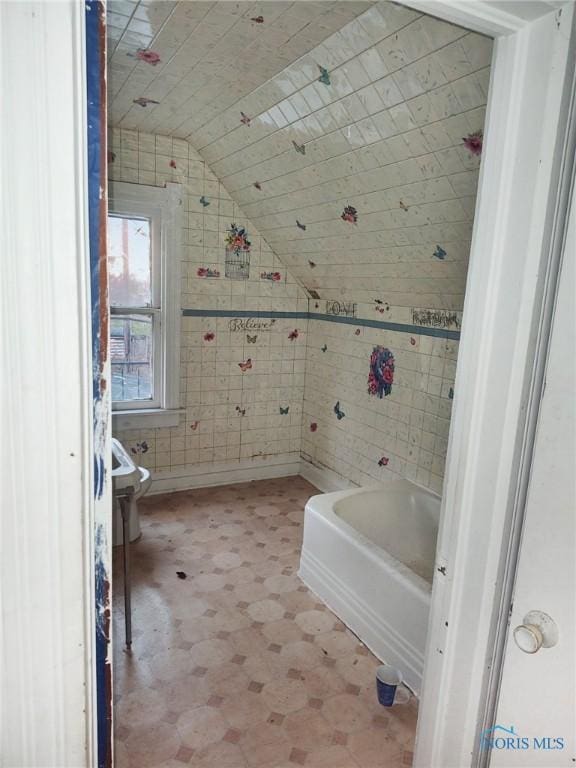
(134, 518)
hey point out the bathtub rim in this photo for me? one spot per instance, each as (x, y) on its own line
(322, 504)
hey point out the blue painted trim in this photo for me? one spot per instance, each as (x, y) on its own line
(94, 28)
(415, 330)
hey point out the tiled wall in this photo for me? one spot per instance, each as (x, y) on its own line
(404, 433)
(373, 117)
(229, 415)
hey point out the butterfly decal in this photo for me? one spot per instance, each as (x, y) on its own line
(245, 366)
(209, 336)
(258, 185)
(357, 332)
(140, 447)
(338, 411)
(293, 334)
(301, 148)
(451, 393)
(403, 206)
(194, 426)
(111, 156)
(324, 348)
(473, 142)
(244, 119)
(241, 411)
(172, 163)
(142, 101)
(300, 225)
(257, 19)
(439, 253)
(313, 427)
(312, 264)
(251, 339)
(324, 76)
(205, 203)
(349, 214)
(412, 340)
(284, 411)
(383, 461)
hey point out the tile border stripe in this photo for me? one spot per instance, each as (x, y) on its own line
(439, 333)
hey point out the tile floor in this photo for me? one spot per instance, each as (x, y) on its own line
(239, 665)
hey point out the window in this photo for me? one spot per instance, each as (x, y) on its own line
(144, 283)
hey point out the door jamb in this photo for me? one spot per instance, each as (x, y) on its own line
(512, 275)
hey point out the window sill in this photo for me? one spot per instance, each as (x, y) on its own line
(146, 418)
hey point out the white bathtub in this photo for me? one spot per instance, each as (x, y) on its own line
(369, 554)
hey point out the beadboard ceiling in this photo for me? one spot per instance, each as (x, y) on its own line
(372, 116)
(211, 54)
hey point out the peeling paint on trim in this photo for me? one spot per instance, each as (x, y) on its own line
(95, 16)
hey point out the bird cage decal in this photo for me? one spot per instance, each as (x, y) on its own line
(237, 262)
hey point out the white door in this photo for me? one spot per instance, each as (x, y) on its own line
(538, 690)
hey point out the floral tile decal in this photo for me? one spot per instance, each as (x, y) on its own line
(313, 427)
(142, 101)
(207, 272)
(246, 365)
(194, 426)
(258, 185)
(257, 19)
(244, 119)
(381, 306)
(204, 202)
(140, 448)
(338, 411)
(381, 374)
(301, 148)
(349, 214)
(324, 76)
(237, 253)
(300, 225)
(210, 336)
(147, 56)
(293, 335)
(473, 142)
(439, 253)
(383, 462)
(275, 277)
(284, 411)
(251, 339)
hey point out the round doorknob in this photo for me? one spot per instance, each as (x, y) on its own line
(528, 638)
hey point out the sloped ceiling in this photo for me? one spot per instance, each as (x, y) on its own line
(382, 131)
(211, 54)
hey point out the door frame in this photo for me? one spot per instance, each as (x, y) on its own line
(520, 211)
(512, 271)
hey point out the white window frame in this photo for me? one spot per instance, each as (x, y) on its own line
(163, 207)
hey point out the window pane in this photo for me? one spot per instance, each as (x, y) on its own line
(131, 342)
(129, 261)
